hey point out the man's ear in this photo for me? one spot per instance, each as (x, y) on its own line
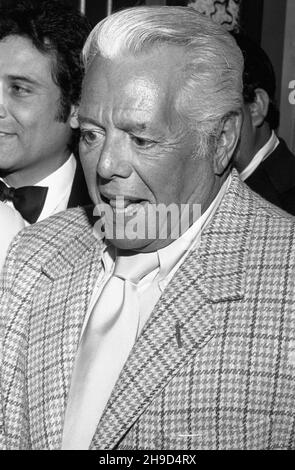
(227, 141)
(259, 107)
(74, 117)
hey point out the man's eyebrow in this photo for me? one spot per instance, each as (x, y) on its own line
(26, 79)
(87, 120)
(129, 127)
(135, 126)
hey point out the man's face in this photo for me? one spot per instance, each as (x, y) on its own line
(32, 142)
(135, 145)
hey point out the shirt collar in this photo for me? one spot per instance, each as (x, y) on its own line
(59, 183)
(60, 177)
(260, 156)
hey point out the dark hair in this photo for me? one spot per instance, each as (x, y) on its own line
(55, 28)
(258, 73)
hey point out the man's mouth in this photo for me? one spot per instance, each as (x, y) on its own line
(127, 206)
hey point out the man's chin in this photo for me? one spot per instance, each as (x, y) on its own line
(139, 245)
(132, 245)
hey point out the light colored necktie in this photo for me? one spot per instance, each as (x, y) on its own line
(105, 345)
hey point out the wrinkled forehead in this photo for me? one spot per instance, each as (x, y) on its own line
(143, 80)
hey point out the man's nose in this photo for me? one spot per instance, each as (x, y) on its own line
(114, 160)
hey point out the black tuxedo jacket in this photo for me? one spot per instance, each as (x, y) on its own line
(79, 193)
(274, 178)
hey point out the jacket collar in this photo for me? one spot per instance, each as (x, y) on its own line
(226, 242)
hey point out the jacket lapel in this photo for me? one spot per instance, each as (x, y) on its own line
(64, 292)
(182, 322)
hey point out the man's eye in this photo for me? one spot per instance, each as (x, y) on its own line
(89, 137)
(141, 142)
(20, 90)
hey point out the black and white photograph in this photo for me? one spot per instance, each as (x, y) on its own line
(147, 229)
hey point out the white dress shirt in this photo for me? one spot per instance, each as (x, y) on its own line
(260, 156)
(11, 222)
(170, 258)
(59, 185)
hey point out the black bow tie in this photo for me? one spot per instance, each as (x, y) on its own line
(28, 200)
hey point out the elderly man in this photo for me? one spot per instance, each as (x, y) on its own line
(118, 337)
(40, 86)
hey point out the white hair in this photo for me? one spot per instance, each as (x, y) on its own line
(214, 65)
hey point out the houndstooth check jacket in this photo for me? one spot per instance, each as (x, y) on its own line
(214, 367)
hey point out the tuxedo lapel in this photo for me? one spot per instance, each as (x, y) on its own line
(183, 320)
(59, 307)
